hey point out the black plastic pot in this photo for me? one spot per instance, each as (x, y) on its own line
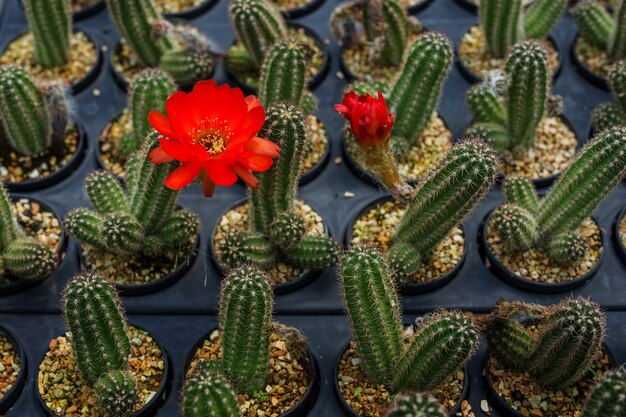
(24, 284)
(419, 7)
(89, 11)
(475, 79)
(350, 412)
(305, 403)
(617, 241)
(584, 70)
(303, 280)
(313, 82)
(525, 284)
(499, 403)
(411, 288)
(59, 175)
(300, 11)
(148, 410)
(159, 284)
(194, 11)
(7, 401)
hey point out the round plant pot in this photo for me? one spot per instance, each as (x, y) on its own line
(475, 79)
(350, 412)
(193, 12)
(412, 288)
(617, 241)
(515, 280)
(89, 11)
(586, 72)
(300, 11)
(25, 284)
(146, 411)
(156, 285)
(308, 399)
(301, 281)
(499, 403)
(7, 401)
(313, 82)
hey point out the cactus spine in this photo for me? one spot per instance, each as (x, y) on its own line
(442, 343)
(117, 393)
(245, 321)
(283, 75)
(608, 398)
(415, 405)
(600, 29)
(613, 113)
(50, 22)
(416, 88)
(208, 394)
(449, 193)
(258, 25)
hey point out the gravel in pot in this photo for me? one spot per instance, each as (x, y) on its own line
(12, 370)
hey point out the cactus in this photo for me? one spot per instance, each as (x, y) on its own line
(276, 231)
(415, 405)
(601, 30)
(50, 22)
(416, 88)
(143, 221)
(245, 321)
(284, 73)
(258, 25)
(516, 226)
(442, 201)
(443, 342)
(510, 342)
(520, 191)
(508, 119)
(9, 230)
(613, 113)
(95, 320)
(188, 67)
(116, 392)
(208, 394)
(387, 30)
(505, 22)
(607, 398)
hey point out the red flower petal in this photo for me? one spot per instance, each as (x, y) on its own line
(254, 162)
(175, 150)
(263, 147)
(221, 174)
(183, 175)
(252, 102)
(246, 176)
(208, 186)
(161, 123)
(158, 156)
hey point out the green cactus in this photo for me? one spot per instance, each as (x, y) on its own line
(607, 398)
(416, 88)
(277, 232)
(568, 246)
(516, 226)
(245, 322)
(508, 120)
(520, 191)
(448, 194)
(505, 22)
(284, 73)
(509, 341)
(9, 230)
(387, 30)
(143, 220)
(116, 392)
(415, 405)
(443, 342)
(600, 29)
(50, 22)
(208, 394)
(188, 67)
(613, 113)
(95, 320)
(258, 25)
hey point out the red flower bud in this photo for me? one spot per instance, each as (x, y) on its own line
(369, 118)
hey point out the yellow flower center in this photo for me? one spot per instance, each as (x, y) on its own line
(213, 142)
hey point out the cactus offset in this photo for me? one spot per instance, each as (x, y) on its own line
(247, 248)
(188, 67)
(608, 398)
(9, 230)
(245, 322)
(613, 113)
(509, 341)
(415, 405)
(208, 394)
(516, 226)
(50, 22)
(601, 30)
(520, 191)
(116, 392)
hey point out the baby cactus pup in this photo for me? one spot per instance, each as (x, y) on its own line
(613, 113)
(208, 394)
(505, 22)
(443, 342)
(608, 398)
(50, 22)
(416, 405)
(601, 30)
(117, 393)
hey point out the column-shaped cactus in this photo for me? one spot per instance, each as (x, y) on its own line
(188, 66)
(505, 22)
(258, 25)
(510, 341)
(600, 29)
(208, 394)
(416, 88)
(117, 393)
(449, 193)
(613, 113)
(607, 398)
(245, 322)
(50, 22)
(387, 30)
(284, 73)
(415, 405)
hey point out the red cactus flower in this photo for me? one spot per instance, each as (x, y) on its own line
(212, 131)
(369, 118)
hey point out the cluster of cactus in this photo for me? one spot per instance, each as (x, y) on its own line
(448, 194)
(207, 393)
(506, 22)
(50, 23)
(149, 92)
(178, 49)
(613, 113)
(100, 342)
(608, 397)
(277, 232)
(386, 25)
(509, 106)
(21, 257)
(600, 29)
(568, 338)
(443, 342)
(551, 224)
(34, 117)
(143, 220)
(415, 405)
